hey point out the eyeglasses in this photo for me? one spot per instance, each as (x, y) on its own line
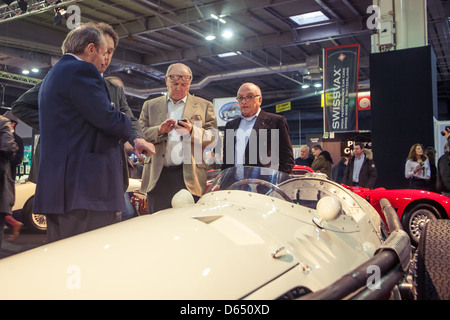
(247, 98)
(176, 77)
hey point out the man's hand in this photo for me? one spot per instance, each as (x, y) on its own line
(143, 147)
(183, 127)
(167, 126)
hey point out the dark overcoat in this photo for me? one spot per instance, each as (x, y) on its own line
(8, 148)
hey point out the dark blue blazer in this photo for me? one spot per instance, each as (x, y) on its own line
(80, 132)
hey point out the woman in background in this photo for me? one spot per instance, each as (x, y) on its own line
(417, 168)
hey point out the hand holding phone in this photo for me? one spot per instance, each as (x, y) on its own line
(182, 119)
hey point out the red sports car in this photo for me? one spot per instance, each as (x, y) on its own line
(414, 207)
(298, 170)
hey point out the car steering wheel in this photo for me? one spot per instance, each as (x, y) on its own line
(260, 182)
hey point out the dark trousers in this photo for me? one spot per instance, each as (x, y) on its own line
(170, 182)
(421, 184)
(60, 226)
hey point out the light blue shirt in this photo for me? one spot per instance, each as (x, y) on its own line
(174, 111)
(242, 136)
(357, 164)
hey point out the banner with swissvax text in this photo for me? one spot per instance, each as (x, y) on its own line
(341, 66)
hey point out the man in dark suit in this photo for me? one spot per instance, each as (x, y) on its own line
(255, 128)
(79, 185)
(26, 108)
(360, 170)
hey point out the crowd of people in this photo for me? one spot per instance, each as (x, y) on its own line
(357, 170)
(81, 168)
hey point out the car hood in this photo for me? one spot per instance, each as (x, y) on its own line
(196, 252)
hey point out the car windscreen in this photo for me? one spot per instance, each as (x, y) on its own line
(252, 179)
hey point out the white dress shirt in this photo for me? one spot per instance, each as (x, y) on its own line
(174, 150)
(242, 136)
(421, 174)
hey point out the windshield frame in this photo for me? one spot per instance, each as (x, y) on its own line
(229, 177)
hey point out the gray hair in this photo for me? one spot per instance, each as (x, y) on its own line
(78, 39)
(182, 64)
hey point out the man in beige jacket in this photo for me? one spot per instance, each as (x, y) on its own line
(180, 126)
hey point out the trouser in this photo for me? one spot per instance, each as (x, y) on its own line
(60, 226)
(169, 183)
(421, 184)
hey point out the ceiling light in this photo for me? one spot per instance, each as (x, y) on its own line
(309, 18)
(218, 18)
(317, 85)
(25, 71)
(305, 86)
(227, 34)
(210, 37)
(35, 70)
(228, 54)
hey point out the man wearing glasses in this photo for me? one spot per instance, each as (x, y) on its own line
(180, 126)
(257, 138)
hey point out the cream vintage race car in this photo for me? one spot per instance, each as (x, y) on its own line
(256, 234)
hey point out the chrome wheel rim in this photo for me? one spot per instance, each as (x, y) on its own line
(39, 221)
(418, 221)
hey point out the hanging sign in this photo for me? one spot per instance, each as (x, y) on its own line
(283, 107)
(341, 66)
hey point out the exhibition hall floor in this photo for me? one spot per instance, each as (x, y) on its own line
(25, 241)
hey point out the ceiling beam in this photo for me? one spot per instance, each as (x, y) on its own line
(283, 39)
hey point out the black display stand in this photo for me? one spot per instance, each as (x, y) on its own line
(403, 94)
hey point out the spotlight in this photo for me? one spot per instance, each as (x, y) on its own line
(219, 18)
(227, 34)
(59, 12)
(210, 37)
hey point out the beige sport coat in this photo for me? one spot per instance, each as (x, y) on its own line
(201, 114)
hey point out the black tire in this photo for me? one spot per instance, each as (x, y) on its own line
(433, 259)
(415, 219)
(36, 222)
